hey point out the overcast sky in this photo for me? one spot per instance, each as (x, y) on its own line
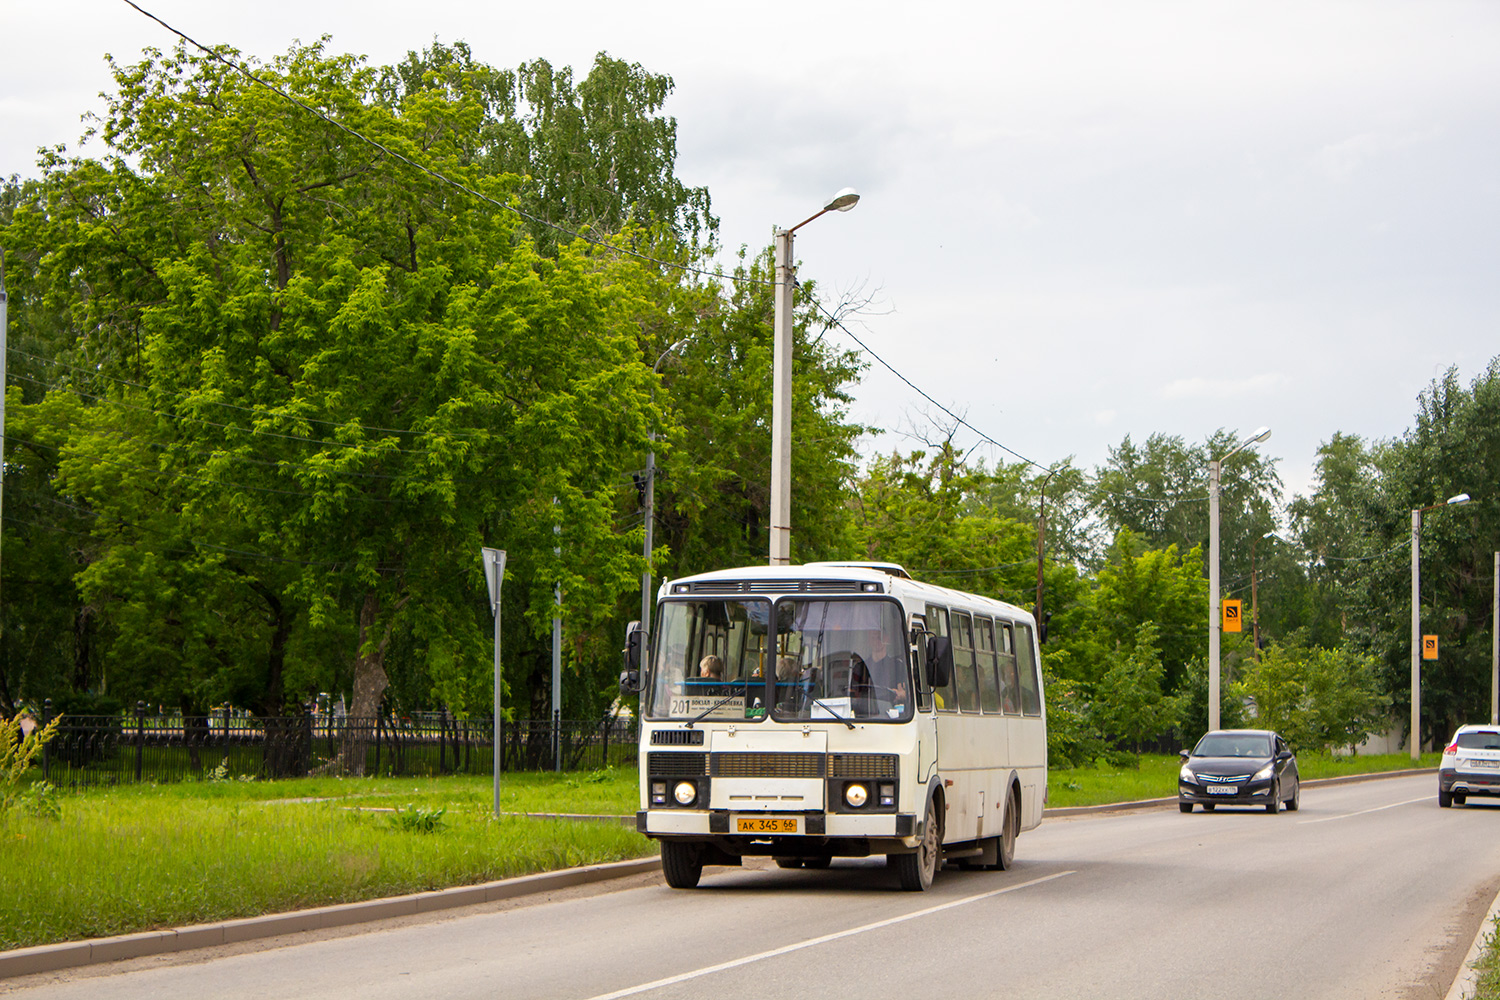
(1079, 220)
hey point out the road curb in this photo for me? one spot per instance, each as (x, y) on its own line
(71, 954)
(1344, 779)
(1466, 982)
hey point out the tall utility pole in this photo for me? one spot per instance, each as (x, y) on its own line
(1041, 548)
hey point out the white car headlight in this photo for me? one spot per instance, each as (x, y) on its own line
(1265, 772)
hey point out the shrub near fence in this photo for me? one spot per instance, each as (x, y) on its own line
(165, 747)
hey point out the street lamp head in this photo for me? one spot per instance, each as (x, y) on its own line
(1260, 435)
(843, 201)
(1461, 498)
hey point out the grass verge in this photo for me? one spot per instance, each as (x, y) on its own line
(1156, 777)
(137, 858)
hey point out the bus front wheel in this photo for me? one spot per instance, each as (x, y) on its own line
(916, 869)
(681, 863)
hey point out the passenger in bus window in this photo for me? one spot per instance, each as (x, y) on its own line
(711, 667)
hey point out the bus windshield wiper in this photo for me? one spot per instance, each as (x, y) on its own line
(829, 709)
(716, 705)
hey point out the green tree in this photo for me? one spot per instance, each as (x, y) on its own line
(340, 375)
(1319, 699)
(1130, 705)
(1453, 447)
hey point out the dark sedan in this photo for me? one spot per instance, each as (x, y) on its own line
(1239, 767)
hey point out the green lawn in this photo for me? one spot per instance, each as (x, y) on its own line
(1156, 778)
(141, 857)
(134, 858)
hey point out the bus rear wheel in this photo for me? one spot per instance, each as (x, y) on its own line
(917, 869)
(1005, 855)
(681, 863)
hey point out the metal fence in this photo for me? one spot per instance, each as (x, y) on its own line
(165, 747)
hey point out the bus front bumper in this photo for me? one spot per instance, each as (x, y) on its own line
(722, 824)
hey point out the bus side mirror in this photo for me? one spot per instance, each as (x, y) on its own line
(939, 661)
(630, 677)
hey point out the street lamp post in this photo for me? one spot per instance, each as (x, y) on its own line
(1416, 617)
(1213, 570)
(781, 382)
(650, 498)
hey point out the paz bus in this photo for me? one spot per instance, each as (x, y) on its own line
(805, 713)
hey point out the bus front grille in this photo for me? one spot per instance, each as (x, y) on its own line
(869, 766)
(767, 765)
(677, 765)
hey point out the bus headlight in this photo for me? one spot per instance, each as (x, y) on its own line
(685, 793)
(856, 795)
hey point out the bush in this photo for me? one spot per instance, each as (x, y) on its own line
(17, 751)
(1319, 699)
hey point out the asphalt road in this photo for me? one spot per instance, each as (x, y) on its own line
(1369, 891)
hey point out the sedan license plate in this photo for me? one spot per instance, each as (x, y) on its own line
(1222, 790)
(767, 824)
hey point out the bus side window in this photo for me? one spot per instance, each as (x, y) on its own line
(1031, 685)
(963, 663)
(989, 693)
(937, 622)
(1010, 689)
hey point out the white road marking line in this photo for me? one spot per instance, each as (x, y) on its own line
(812, 942)
(1329, 819)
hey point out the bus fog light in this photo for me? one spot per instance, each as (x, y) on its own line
(888, 795)
(658, 793)
(856, 795)
(685, 793)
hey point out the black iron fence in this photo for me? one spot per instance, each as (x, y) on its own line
(227, 745)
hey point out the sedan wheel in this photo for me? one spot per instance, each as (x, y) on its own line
(1274, 806)
(1186, 807)
(1295, 802)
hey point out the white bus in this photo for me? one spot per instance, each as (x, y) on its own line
(836, 710)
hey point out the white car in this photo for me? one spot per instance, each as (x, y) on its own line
(1470, 765)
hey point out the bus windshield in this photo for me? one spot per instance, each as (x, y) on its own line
(818, 659)
(841, 660)
(710, 660)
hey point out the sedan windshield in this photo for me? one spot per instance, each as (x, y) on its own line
(1233, 745)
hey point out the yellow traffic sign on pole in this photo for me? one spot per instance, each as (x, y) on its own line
(1232, 616)
(1429, 647)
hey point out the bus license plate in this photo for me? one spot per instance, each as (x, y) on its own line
(767, 824)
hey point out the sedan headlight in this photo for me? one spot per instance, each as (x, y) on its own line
(1264, 773)
(1186, 774)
